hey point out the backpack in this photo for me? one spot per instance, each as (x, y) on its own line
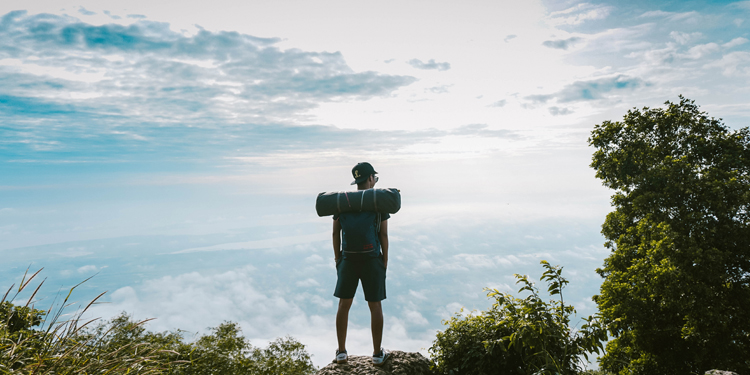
(360, 233)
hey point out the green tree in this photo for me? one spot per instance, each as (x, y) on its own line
(518, 336)
(676, 290)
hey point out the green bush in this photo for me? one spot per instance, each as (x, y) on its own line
(31, 344)
(518, 336)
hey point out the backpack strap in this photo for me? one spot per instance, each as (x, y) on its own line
(377, 227)
(347, 200)
(375, 200)
(338, 202)
(362, 201)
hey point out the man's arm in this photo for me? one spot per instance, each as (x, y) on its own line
(336, 240)
(383, 236)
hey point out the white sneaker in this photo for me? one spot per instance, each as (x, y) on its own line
(379, 360)
(341, 357)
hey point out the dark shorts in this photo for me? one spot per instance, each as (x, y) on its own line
(370, 270)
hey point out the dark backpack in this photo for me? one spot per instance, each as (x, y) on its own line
(360, 232)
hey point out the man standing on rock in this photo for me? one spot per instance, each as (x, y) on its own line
(360, 247)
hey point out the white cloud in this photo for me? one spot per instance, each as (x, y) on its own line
(735, 42)
(702, 50)
(430, 65)
(414, 318)
(308, 283)
(579, 14)
(733, 64)
(90, 268)
(692, 16)
(562, 44)
(684, 38)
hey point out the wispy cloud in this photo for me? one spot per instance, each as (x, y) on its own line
(86, 87)
(579, 13)
(499, 103)
(590, 90)
(563, 44)
(691, 16)
(430, 65)
(557, 111)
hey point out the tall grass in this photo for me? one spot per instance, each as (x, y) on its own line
(54, 341)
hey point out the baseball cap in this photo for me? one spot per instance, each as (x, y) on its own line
(362, 172)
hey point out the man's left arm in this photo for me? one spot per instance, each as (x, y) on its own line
(383, 236)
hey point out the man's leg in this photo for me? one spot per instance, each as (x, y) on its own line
(376, 325)
(342, 321)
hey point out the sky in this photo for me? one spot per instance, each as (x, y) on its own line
(174, 150)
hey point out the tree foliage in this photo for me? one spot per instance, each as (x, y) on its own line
(518, 335)
(676, 290)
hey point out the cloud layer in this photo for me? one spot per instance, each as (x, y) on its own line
(68, 86)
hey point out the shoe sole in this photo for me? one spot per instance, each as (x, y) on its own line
(382, 363)
(341, 362)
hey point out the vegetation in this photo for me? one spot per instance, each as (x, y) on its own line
(676, 286)
(30, 344)
(518, 336)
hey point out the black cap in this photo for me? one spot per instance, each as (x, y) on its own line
(362, 172)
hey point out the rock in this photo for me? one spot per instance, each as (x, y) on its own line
(399, 363)
(719, 372)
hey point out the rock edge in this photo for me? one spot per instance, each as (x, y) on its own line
(399, 363)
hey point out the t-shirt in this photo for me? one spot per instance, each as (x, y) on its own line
(366, 244)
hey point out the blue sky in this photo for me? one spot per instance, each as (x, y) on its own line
(175, 149)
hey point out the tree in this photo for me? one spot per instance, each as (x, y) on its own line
(676, 289)
(518, 336)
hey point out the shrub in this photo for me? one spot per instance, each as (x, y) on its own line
(32, 344)
(518, 336)
(29, 344)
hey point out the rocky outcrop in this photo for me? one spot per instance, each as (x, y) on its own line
(399, 363)
(719, 372)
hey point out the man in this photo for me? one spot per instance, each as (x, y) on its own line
(361, 255)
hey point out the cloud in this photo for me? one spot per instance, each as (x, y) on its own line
(307, 283)
(499, 103)
(702, 50)
(83, 90)
(684, 38)
(590, 90)
(430, 65)
(557, 111)
(563, 44)
(87, 269)
(579, 14)
(438, 89)
(85, 12)
(509, 38)
(481, 130)
(735, 42)
(733, 64)
(691, 16)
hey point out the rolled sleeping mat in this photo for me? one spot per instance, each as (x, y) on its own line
(376, 200)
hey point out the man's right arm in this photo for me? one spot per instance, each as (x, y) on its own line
(336, 240)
